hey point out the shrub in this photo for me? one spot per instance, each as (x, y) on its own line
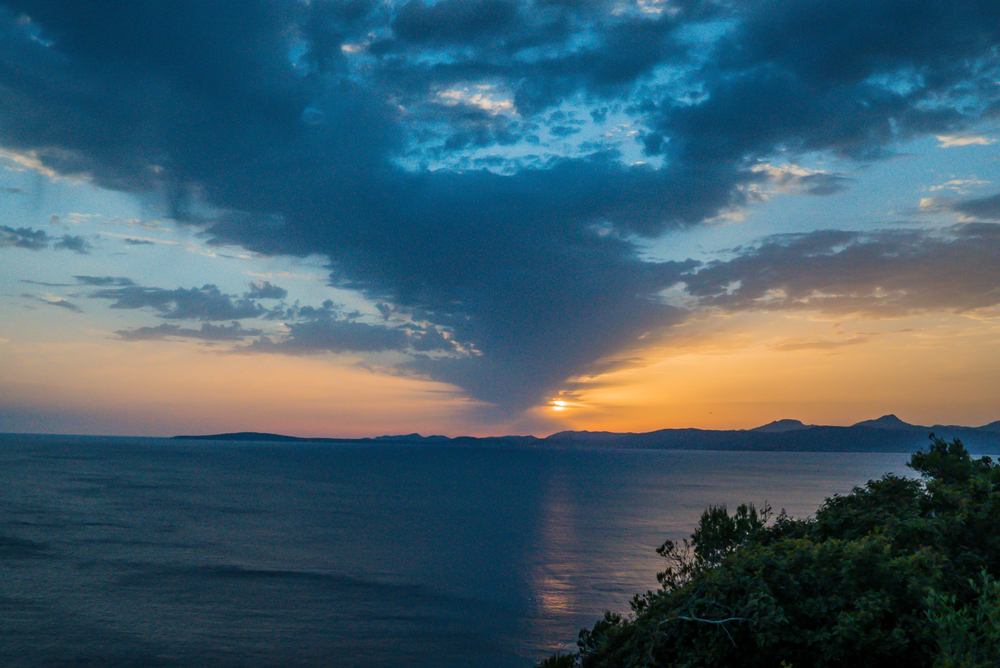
(898, 572)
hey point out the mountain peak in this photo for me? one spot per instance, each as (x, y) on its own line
(992, 426)
(889, 421)
(779, 426)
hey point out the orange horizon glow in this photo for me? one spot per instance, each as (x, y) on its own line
(733, 374)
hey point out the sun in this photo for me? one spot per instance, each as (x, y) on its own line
(559, 405)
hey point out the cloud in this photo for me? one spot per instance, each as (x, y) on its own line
(796, 345)
(332, 336)
(823, 184)
(308, 329)
(50, 299)
(63, 303)
(32, 239)
(933, 205)
(985, 208)
(101, 281)
(808, 181)
(481, 99)
(302, 128)
(77, 244)
(23, 237)
(839, 76)
(430, 339)
(205, 303)
(453, 21)
(884, 274)
(959, 186)
(266, 290)
(950, 141)
(46, 283)
(208, 332)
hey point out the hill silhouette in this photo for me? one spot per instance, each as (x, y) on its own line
(885, 434)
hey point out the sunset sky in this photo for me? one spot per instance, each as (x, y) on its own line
(354, 218)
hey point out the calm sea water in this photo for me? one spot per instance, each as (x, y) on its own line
(151, 552)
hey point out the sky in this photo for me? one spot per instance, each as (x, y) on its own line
(353, 218)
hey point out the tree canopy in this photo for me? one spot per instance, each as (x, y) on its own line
(898, 572)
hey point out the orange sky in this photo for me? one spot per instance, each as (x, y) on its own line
(720, 373)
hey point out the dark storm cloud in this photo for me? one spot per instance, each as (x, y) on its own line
(545, 54)
(289, 118)
(842, 41)
(512, 264)
(754, 113)
(454, 21)
(888, 273)
(848, 76)
(204, 303)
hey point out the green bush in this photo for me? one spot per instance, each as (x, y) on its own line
(898, 572)
(969, 636)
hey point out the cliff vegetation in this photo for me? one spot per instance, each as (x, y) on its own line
(900, 572)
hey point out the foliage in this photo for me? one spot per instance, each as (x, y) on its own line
(968, 637)
(716, 537)
(898, 572)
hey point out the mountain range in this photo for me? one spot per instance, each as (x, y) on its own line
(885, 434)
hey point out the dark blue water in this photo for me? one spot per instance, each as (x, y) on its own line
(149, 552)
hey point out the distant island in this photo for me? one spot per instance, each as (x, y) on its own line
(885, 434)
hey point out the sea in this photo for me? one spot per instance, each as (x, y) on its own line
(141, 552)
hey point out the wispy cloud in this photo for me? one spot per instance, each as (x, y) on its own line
(793, 345)
(951, 141)
(207, 332)
(50, 299)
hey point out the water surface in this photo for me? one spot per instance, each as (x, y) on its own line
(153, 552)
